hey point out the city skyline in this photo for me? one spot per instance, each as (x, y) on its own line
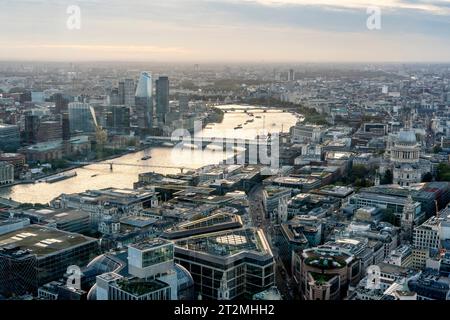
(248, 151)
(226, 31)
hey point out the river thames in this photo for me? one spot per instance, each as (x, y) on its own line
(98, 176)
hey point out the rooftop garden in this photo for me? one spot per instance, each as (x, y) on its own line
(139, 288)
(322, 278)
(326, 262)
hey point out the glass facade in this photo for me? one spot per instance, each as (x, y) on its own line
(245, 276)
(19, 275)
(156, 256)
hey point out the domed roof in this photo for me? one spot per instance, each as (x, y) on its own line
(408, 137)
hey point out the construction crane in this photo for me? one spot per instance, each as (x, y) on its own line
(101, 135)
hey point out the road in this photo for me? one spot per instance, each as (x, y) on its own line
(258, 216)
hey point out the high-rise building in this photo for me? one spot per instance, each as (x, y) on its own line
(183, 101)
(116, 97)
(118, 118)
(128, 92)
(9, 137)
(61, 103)
(41, 130)
(162, 98)
(65, 126)
(120, 93)
(291, 76)
(31, 128)
(230, 264)
(144, 101)
(80, 117)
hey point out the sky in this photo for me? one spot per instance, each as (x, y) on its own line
(225, 31)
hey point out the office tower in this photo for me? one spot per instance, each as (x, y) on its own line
(120, 93)
(291, 76)
(39, 130)
(128, 92)
(162, 98)
(35, 255)
(144, 101)
(31, 128)
(118, 118)
(116, 97)
(183, 102)
(80, 117)
(49, 131)
(9, 137)
(228, 264)
(61, 103)
(65, 126)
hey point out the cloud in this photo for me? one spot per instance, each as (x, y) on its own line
(225, 29)
(432, 6)
(106, 48)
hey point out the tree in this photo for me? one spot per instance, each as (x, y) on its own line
(437, 149)
(443, 172)
(389, 216)
(387, 178)
(16, 90)
(428, 177)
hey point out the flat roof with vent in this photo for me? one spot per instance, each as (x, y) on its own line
(227, 243)
(41, 240)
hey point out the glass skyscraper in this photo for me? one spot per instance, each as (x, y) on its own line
(162, 98)
(80, 117)
(144, 101)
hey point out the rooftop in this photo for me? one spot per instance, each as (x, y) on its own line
(227, 243)
(138, 221)
(150, 244)
(58, 215)
(139, 287)
(339, 191)
(41, 240)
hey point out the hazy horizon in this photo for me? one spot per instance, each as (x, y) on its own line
(226, 31)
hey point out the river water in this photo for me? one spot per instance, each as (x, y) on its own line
(98, 176)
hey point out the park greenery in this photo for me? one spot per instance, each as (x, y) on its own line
(443, 172)
(311, 115)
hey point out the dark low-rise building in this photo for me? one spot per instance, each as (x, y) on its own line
(35, 255)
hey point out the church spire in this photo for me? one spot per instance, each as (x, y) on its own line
(223, 291)
(408, 216)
